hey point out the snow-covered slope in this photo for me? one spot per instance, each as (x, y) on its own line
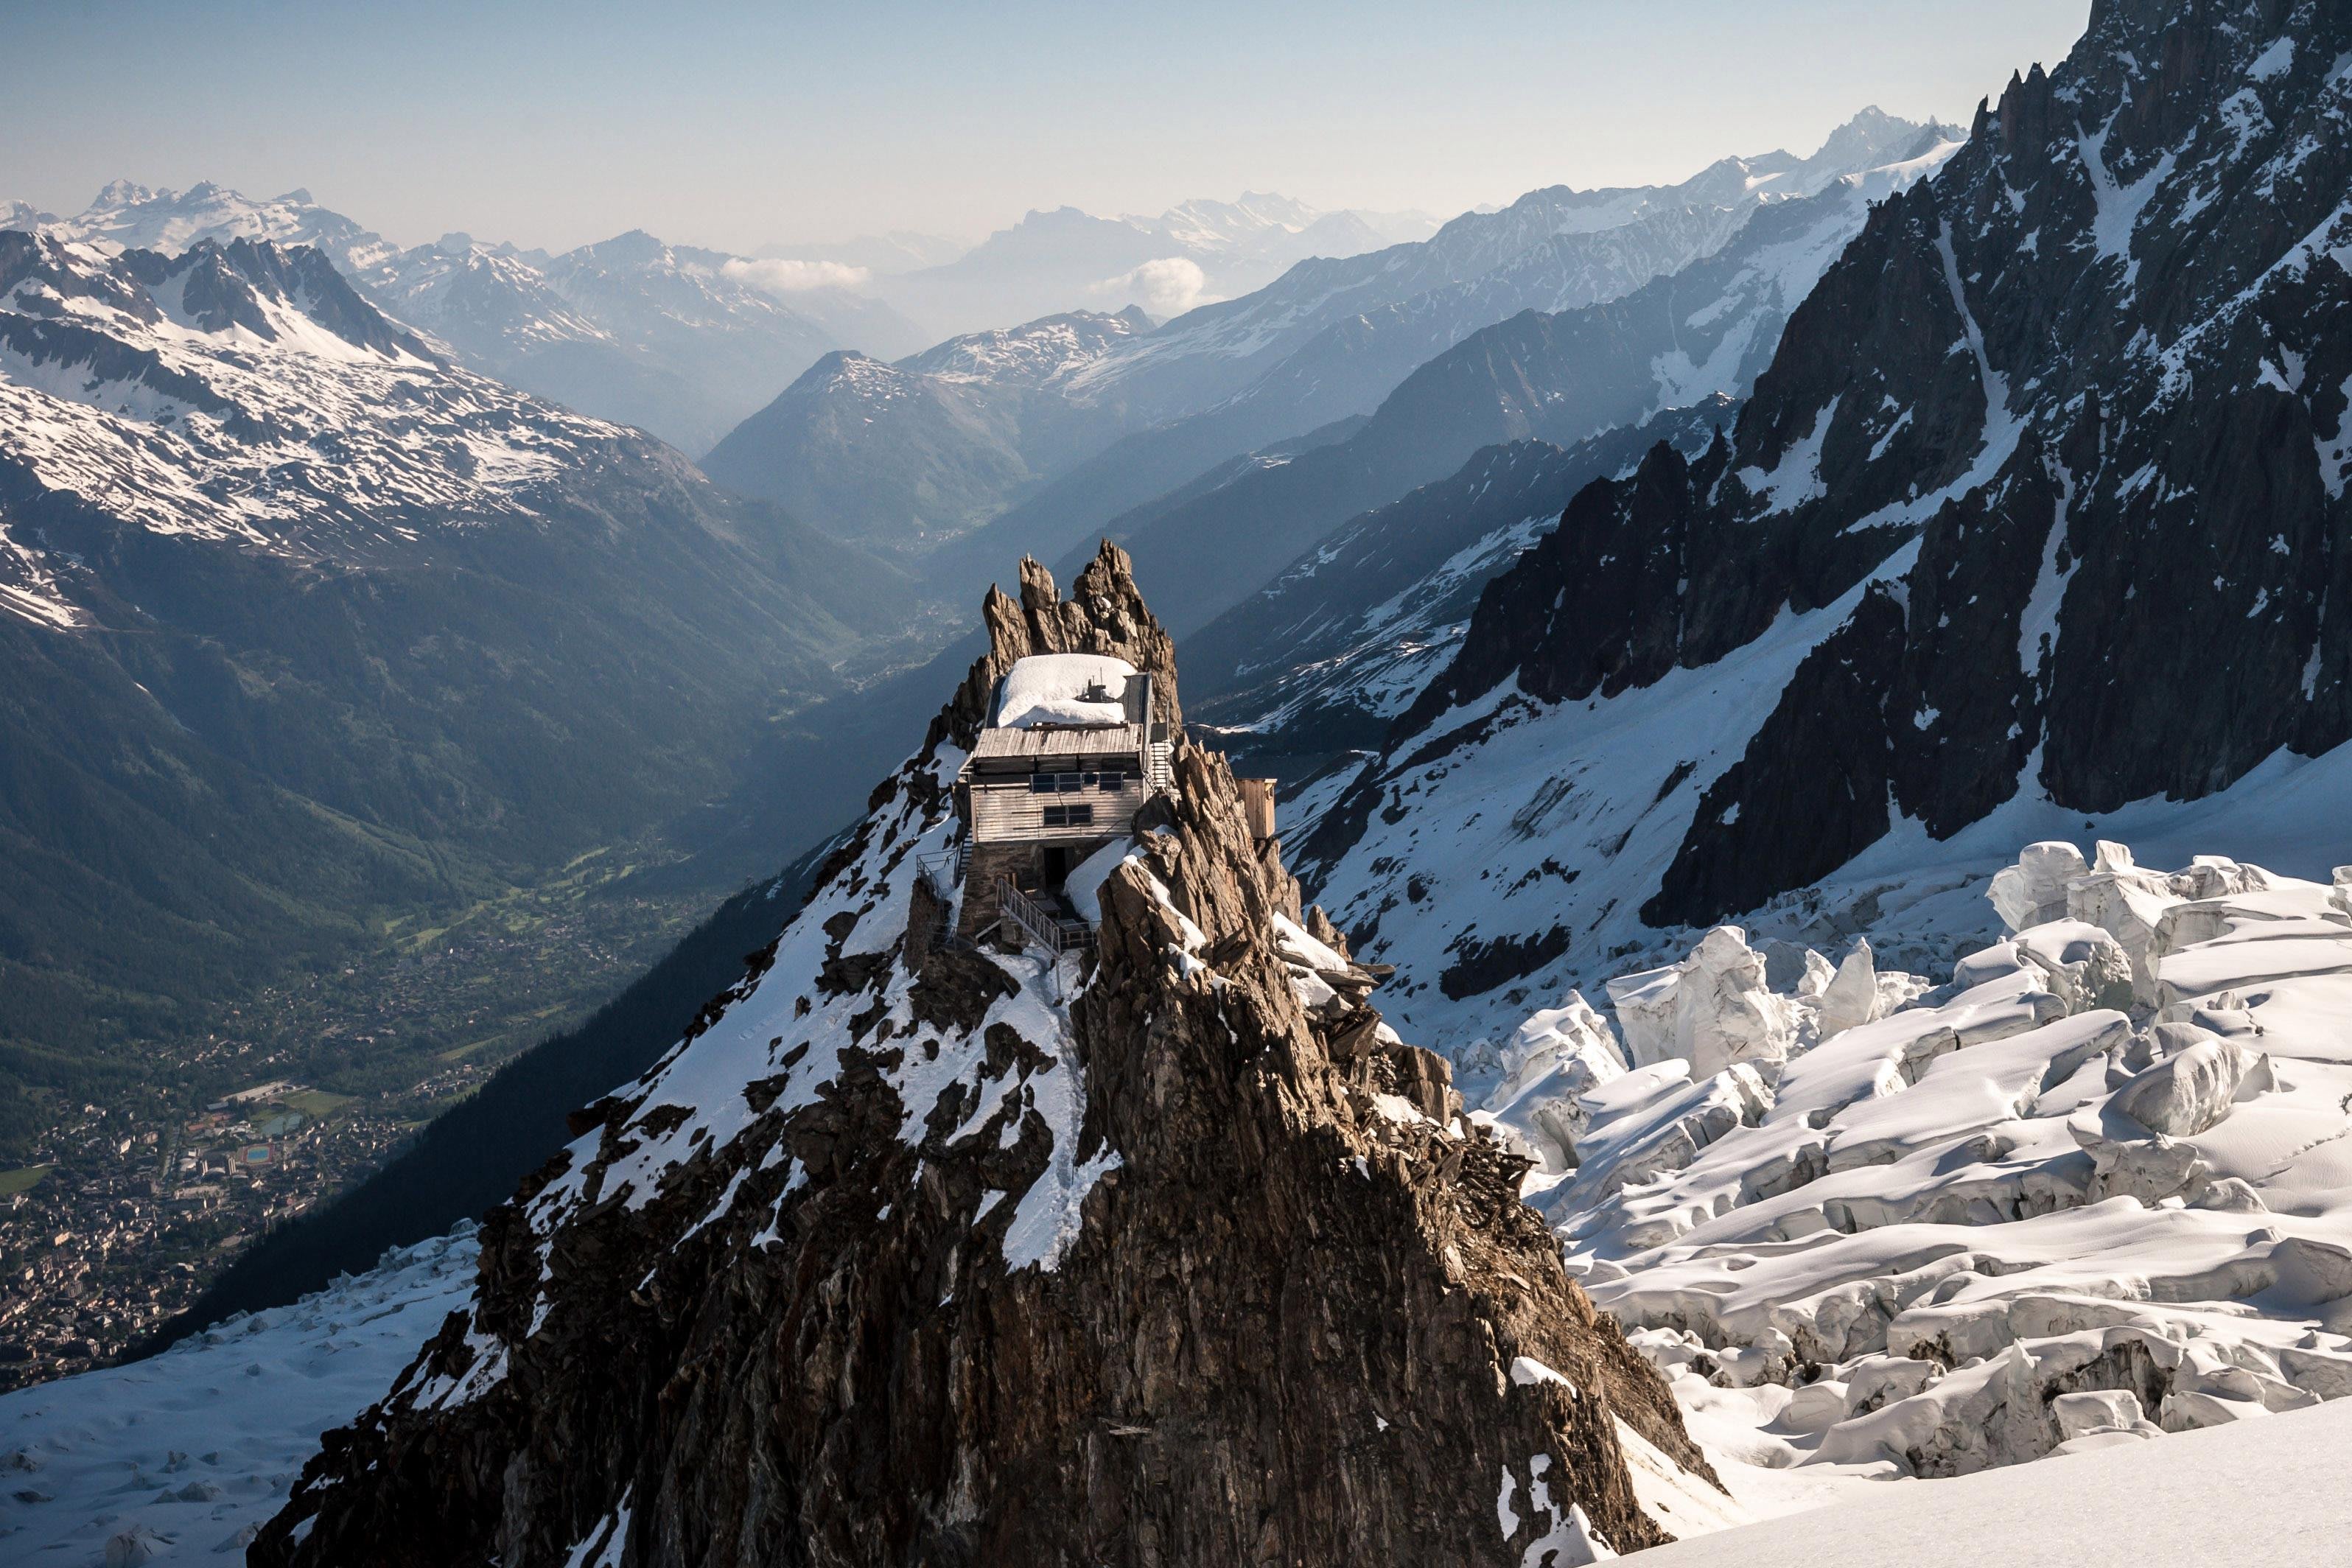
(2088, 1185)
(243, 393)
(682, 341)
(1306, 675)
(1196, 251)
(284, 598)
(2014, 519)
(182, 1459)
(2254, 1495)
(909, 455)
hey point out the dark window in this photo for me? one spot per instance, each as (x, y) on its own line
(1058, 817)
(1090, 780)
(1042, 784)
(1113, 781)
(1069, 816)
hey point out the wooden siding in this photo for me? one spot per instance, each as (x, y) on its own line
(1257, 806)
(1011, 813)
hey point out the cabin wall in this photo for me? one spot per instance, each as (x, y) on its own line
(1011, 811)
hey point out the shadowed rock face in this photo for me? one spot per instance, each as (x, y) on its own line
(2081, 403)
(1185, 1260)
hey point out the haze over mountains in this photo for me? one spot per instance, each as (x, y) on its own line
(290, 414)
(679, 342)
(1193, 254)
(686, 342)
(1327, 342)
(307, 628)
(1828, 544)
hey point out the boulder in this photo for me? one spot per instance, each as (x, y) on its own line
(2187, 1410)
(2192, 1088)
(1725, 1013)
(1645, 1013)
(2128, 904)
(2084, 964)
(1816, 1407)
(1851, 997)
(2099, 1410)
(2033, 891)
(1555, 1058)
(1880, 1380)
(133, 1546)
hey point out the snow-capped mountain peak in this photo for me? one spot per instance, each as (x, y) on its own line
(132, 216)
(240, 390)
(682, 342)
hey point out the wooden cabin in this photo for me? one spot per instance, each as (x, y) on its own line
(1071, 751)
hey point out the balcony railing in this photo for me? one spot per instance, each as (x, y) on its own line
(1041, 926)
(943, 870)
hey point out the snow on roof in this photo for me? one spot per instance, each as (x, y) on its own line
(1063, 688)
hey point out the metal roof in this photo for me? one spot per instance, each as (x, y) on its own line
(1022, 745)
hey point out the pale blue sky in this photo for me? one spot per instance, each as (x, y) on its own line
(738, 124)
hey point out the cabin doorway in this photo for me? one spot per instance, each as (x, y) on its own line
(1056, 861)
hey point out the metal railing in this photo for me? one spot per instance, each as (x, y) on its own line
(943, 870)
(1040, 925)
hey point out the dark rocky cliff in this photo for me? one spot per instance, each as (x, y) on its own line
(2081, 405)
(1182, 1259)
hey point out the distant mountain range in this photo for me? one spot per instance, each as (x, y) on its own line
(1056, 260)
(680, 342)
(1327, 342)
(304, 628)
(899, 455)
(2035, 523)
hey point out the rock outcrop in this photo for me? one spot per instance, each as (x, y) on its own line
(2047, 490)
(1176, 1255)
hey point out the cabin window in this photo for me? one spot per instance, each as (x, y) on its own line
(1112, 781)
(1053, 783)
(1069, 816)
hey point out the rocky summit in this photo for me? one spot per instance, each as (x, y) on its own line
(1166, 1250)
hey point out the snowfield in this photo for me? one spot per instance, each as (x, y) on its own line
(2087, 1197)
(2268, 1495)
(2092, 1188)
(222, 403)
(179, 1460)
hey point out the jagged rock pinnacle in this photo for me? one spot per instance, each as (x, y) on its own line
(1176, 1257)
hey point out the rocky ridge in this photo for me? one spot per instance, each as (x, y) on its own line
(676, 340)
(912, 1252)
(305, 629)
(2041, 502)
(910, 454)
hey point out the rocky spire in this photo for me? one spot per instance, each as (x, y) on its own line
(1179, 1257)
(1104, 613)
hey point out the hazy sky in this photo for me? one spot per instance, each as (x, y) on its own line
(735, 125)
